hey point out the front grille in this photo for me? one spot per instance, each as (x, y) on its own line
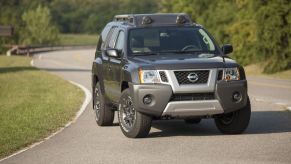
(183, 79)
(192, 96)
(163, 76)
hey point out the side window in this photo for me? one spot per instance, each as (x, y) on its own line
(120, 41)
(108, 38)
(103, 36)
(207, 41)
(112, 39)
(100, 42)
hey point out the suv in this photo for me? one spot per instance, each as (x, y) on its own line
(164, 66)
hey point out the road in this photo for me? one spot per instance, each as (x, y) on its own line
(267, 140)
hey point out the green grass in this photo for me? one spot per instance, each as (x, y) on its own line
(256, 70)
(33, 103)
(78, 39)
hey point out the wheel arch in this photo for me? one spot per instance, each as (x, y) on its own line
(124, 85)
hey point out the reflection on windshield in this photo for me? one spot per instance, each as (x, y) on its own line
(156, 40)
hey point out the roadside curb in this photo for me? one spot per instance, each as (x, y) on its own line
(78, 114)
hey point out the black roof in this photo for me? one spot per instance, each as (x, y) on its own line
(159, 19)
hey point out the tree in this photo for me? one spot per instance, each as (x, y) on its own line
(38, 27)
(259, 30)
(274, 31)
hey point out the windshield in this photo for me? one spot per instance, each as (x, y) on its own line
(170, 39)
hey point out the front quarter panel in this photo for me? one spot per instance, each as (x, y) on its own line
(130, 72)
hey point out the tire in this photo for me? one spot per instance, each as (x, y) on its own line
(103, 114)
(133, 124)
(235, 122)
(192, 120)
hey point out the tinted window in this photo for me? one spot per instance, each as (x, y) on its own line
(120, 41)
(103, 36)
(113, 38)
(108, 38)
(170, 39)
(100, 42)
(105, 32)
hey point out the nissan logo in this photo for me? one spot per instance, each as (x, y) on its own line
(192, 77)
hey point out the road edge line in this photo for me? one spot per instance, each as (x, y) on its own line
(78, 114)
(32, 62)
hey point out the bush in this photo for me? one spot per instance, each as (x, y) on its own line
(38, 27)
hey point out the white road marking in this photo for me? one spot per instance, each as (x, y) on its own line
(31, 62)
(281, 104)
(259, 99)
(289, 108)
(269, 85)
(39, 57)
(78, 114)
(86, 101)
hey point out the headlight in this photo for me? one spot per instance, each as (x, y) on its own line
(148, 76)
(231, 74)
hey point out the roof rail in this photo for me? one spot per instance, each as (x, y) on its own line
(124, 18)
(154, 19)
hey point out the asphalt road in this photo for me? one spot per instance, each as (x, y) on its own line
(267, 140)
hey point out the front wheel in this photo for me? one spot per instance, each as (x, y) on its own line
(235, 122)
(133, 124)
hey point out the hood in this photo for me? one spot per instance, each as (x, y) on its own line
(178, 61)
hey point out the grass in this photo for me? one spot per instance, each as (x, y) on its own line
(33, 103)
(78, 39)
(256, 70)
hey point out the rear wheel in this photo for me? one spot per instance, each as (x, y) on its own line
(104, 115)
(234, 122)
(133, 124)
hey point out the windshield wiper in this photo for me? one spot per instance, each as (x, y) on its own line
(145, 53)
(191, 52)
(185, 52)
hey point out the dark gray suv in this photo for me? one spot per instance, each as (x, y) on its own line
(164, 66)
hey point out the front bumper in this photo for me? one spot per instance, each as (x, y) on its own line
(192, 108)
(162, 106)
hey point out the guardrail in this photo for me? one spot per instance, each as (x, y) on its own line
(30, 50)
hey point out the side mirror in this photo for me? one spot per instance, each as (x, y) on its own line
(227, 49)
(113, 53)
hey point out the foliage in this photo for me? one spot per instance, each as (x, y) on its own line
(38, 29)
(90, 16)
(259, 30)
(70, 16)
(274, 31)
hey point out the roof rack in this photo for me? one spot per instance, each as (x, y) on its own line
(154, 19)
(124, 18)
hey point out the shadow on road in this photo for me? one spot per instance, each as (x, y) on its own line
(66, 69)
(17, 69)
(262, 122)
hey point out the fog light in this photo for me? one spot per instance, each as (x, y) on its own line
(147, 99)
(236, 96)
